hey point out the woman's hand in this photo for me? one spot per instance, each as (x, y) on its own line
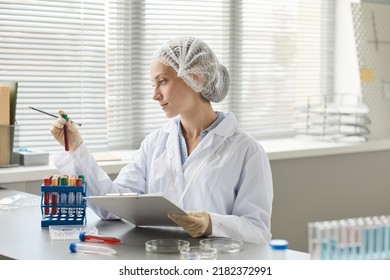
(74, 137)
(195, 223)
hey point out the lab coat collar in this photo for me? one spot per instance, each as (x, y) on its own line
(227, 127)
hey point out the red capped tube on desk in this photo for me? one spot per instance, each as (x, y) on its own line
(98, 238)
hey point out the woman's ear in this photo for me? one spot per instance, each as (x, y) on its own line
(198, 78)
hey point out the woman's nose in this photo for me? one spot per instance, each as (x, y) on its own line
(156, 94)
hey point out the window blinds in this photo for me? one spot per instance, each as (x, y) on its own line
(278, 53)
(285, 56)
(56, 52)
(92, 59)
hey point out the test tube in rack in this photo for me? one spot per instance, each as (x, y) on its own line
(71, 196)
(386, 236)
(46, 195)
(79, 198)
(63, 195)
(54, 196)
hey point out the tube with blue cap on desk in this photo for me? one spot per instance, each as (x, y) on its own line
(94, 249)
(76, 247)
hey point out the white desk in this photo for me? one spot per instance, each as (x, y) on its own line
(22, 237)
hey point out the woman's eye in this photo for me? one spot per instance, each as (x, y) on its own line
(161, 81)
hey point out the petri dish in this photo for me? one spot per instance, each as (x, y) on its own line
(223, 245)
(198, 253)
(166, 245)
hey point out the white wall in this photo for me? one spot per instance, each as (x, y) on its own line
(326, 188)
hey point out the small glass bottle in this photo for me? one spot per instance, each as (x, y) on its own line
(279, 248)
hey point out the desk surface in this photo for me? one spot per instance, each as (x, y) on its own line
(24, 238)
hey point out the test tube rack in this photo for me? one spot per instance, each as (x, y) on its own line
(364, 238)
(334, 118)
(60, 211)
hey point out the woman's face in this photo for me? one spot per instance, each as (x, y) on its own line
(173, 94)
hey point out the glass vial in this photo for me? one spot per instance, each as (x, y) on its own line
(279, 248)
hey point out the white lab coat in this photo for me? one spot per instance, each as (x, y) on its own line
(229, 176)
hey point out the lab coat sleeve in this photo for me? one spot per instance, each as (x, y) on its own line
(251, 217)
(81, 162)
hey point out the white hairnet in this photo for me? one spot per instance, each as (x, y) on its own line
(197, 65)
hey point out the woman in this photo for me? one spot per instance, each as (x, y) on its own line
(200, 159)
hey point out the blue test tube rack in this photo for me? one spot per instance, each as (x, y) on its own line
(66, 213)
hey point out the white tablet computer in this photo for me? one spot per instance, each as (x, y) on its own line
(140, 210)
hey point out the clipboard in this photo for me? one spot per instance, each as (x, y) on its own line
(140, 210)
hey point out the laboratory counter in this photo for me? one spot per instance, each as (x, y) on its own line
(23, 238)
